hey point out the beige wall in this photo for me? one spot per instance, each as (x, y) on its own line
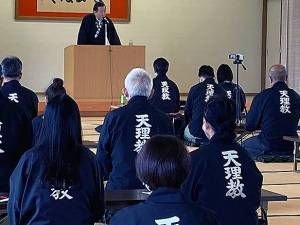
(188, 33)
(273, 35)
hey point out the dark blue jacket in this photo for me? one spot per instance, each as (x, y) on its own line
(21, 96)
(166, 95)
(37, 123)
(120, 140)
(195, 104)
(231, 90)
(164, 203)
(208, 186)
(277, 116)
(33, 202)
(88, 29)
(15, 139)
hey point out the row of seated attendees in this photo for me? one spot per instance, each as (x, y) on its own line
(58, 173)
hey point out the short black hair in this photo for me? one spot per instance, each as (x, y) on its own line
(161, 65)
(224, 73)
(206, 71)
(97, 5)
(163, 162)
(11, 67)
(220, 112)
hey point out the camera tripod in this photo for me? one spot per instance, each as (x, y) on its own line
(238, 62)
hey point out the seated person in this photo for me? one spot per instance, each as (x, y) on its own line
(225, 77)
(55, 89)
(163, 165)
(58, 181)
(198, 96)
(126, 129)
(14, 91)
(166, 95)
(223, 177)
(15, 139)
(276, 112)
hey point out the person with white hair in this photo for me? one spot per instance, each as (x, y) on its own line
(276, 112)
(125, 130)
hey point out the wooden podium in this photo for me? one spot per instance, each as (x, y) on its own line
(94, 74)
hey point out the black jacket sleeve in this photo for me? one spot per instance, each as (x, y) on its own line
(254, 116)
(83, 32)
(104, 148)
(113, 35)
(18, 181)
(188, 108)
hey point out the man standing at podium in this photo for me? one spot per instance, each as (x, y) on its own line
(97, 28)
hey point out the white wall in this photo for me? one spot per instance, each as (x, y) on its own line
(189, 33)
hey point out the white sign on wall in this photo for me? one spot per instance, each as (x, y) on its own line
(69, 6)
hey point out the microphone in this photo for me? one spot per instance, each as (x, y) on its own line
(105, 20)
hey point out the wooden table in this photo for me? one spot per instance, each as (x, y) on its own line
(123, 198)
(296, 141)
(90, 144)
(268, 196)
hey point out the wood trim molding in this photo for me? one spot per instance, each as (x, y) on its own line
(264, 44)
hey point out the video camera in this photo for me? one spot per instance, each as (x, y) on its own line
(238, 58)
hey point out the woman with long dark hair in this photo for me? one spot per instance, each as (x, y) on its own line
(56, 88)
(162, 165)
(58, 181)
(223, 177)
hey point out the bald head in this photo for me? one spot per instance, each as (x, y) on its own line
(278, 73)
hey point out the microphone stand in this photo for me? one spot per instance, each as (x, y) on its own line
(105, 21)
(238, 92)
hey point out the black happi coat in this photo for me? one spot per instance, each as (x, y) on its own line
(32, 201)
(208, 183)
(15, 139)
(231, 90)
(265, 114)
(117, 147)
(26, 99)
(167, 104)
(164, 206)
(88, 29)
(195, 104)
